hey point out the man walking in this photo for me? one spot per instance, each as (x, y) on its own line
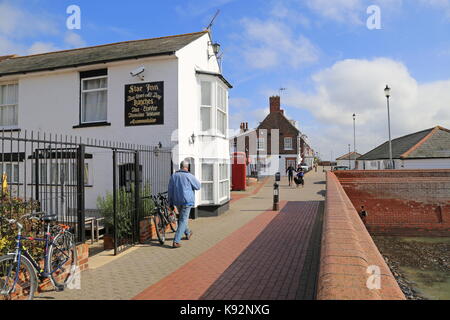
(290, 171)
(182, 187)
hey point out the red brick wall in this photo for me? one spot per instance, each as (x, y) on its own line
(347, 252)
(403, 202)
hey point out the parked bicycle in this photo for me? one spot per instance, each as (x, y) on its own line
(19, 271)
(164, 216)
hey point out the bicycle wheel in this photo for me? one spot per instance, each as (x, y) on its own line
(26, 284)
(62, 260)
(172, 219)
(160, 227)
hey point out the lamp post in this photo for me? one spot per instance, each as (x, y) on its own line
(349, 155)
(387, 92)
(354, 132)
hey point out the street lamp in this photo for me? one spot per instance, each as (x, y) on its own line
(354, 132)
(349, 159)
(387, 92)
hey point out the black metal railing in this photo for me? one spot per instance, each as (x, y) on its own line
(70, 176)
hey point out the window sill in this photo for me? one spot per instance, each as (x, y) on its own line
(93, 124)
(10, 129)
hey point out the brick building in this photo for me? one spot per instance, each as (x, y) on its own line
(275, 144)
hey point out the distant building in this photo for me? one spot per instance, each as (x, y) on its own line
(349, 158)
(427, 149)
(266, 158)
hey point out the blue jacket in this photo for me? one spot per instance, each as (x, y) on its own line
(182, 187)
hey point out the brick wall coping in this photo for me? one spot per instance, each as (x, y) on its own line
(348, 251)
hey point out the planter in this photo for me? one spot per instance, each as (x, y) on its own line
(108, 242)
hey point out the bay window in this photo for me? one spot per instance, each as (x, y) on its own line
(9, 96)
(213, 108)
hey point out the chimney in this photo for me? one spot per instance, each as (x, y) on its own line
(275, 104)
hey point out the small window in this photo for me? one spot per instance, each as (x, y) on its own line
(261, 144)
(288, 144)
(224, 181)
(94, 96)
(9, 97)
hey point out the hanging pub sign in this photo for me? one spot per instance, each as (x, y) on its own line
(144, 104)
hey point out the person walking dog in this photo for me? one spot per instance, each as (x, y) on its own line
(182, 187)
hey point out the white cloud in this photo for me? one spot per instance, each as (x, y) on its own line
(348, 11)
(20, 28)
(356, 86)
(269, 43)
(74, 40)
(42, 47)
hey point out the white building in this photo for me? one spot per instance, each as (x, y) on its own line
(91, 92)
(427, 149)
(348, 160)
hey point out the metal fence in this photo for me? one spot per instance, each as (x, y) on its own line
(82, 179)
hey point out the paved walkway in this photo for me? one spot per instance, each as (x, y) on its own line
(218, 261)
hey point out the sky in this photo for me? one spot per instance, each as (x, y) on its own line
(322, 52)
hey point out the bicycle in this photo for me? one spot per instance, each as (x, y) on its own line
(163, 216)
(19, 271)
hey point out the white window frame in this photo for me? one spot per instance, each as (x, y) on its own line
(223, 111)
(261, 144)
(16, 105)
(226, 180)
(214, 108)
(210, 107)
(286, 145)
(83, 91)
(208, 182)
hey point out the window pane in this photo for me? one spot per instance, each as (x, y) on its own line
(207, 172)
(8, 116)
(224, 189)
(43, 173)
(206, 93)
(207, 192)
(222, 99)
(221, 122)
(95, 84)
(8, 171)
(223, 172)
(95, 104)
(86, 173)
(206, 119)
(16, 173)
(54, 174)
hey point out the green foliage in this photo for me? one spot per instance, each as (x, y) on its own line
(125, 209)
(16, 208)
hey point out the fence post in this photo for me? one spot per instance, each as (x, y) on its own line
(115, 200)
(80, 193)
(137, 197)
(36, 177)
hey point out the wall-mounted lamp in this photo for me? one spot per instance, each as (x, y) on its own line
(216, 49)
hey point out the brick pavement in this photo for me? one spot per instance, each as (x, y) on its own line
(145, 266)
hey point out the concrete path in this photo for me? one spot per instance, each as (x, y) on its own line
(223, 248)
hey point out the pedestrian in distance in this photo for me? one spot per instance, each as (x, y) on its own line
(300, 178)
(182, 187)
(363, 214)
(290, 171)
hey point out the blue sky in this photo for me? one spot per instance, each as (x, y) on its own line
(321, 51)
